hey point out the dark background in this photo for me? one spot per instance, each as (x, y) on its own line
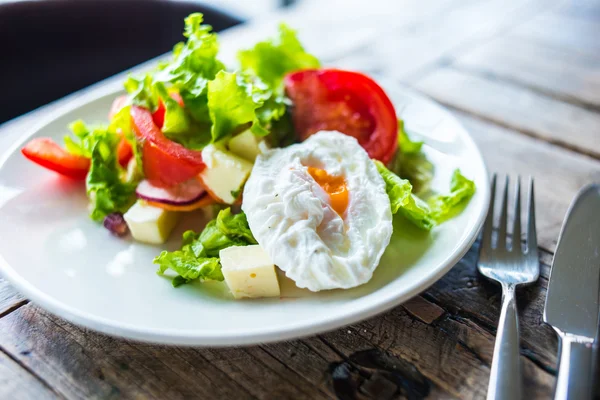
(52, 48)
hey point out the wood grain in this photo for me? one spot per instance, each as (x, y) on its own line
(16, 383)
(440, 343)
(409, 49)
(82, 364)
(563, 30)
(9, 298)
(582, 9)
(559, 173)
(516, 107)
(523, 77)
(561, 72)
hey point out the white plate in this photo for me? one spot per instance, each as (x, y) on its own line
(56, 256)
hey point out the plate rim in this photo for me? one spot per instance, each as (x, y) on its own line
(248, 336)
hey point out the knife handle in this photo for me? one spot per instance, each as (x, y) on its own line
(575, 380)
(505, 376)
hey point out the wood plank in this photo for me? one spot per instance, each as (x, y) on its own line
(308, 358)
(261, 374)
(408, 50)
(469, 298)
(562, 72)
(559, 173)
(451, 354)
(424, 356)
(582, 9)
(516, 107)
(16, 383)
(335, 28)
(80, 364)
(563, 30)
(9, 298)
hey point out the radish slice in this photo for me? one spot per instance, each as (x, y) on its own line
(203, 202)
(187, 192)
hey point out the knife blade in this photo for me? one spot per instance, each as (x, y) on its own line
(572, 299)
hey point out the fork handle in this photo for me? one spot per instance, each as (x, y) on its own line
(575, 380)
(505, 377)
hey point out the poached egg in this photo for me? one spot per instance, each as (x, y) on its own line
(320, 210)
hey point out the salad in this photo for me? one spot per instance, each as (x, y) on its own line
(303, 167)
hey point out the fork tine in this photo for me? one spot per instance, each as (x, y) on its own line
(531, 231)
(488, 228)
(516, 236)
(501, 242)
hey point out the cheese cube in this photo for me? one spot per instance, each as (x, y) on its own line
(249, 272)
(247, 145)
(225, 173)
(150, 224)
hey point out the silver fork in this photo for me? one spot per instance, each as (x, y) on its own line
(510, 266)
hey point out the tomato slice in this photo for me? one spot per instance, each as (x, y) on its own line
(159, 115)
(47, 153)
(345, 101)
(166, 163)
(124, 152)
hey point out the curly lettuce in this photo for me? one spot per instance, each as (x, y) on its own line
(411, 162)
(218, 104)
(106, 186)
(425, 214)
(272, 59)
(199, 254)
(403, 200)
(444, 206)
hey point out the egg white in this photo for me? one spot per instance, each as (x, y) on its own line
(291, 217)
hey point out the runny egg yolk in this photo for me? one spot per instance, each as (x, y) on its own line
(335, 186)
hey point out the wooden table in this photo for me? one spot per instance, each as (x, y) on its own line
(524, 78)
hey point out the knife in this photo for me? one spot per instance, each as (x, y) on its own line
(572, 298)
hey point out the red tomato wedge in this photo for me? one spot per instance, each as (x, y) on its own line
(345, 101)
(159, 115)
(166, 163)
(124, 152)
(47, 153)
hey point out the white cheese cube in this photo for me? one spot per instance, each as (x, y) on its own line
(249, 272)
(225, 173)
(247, 145)
(150, 224)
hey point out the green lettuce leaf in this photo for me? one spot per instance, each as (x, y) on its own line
(272, 59)
(188, 266)
(218, 104)
(141, 92)
(461, 190)
(235, 226)
(121, 125)
(84, 138)
(268, 62)
(194, 63)
(199, 254)
(403, 200)
(437, 209)
(105, 186)
(179, 125)
(406, 145)
(411, 163)
(233, 105)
